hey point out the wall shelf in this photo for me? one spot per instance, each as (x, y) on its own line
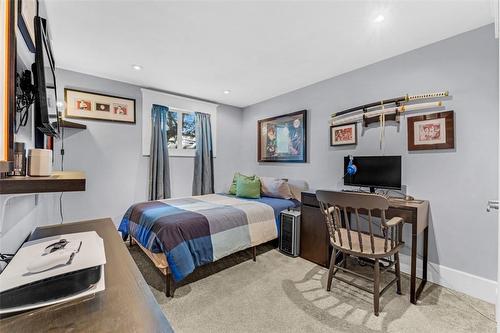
(59, 181)
(70, 124)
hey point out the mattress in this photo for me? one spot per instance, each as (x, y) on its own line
(193, 231)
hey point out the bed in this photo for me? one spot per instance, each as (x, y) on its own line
(181, 234)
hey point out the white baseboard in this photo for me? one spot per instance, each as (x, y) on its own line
(466, 283)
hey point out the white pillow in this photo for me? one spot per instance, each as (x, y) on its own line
(296, 187)
(275, 188)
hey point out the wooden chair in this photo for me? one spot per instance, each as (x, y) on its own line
(362, 244)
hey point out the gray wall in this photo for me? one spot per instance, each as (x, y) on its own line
(110, 155)
(457, 182)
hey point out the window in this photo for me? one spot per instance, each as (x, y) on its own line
(181, 130)
(188, 131)
(172, 130)
(181, 121)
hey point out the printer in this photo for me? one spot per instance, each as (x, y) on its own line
(53, 270)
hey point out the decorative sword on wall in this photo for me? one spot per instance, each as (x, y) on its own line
(397, 106)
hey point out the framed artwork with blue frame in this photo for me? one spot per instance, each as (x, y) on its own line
(283, 138)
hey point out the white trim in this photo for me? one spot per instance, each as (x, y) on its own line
(181, 110)
(495, 8)
(463, 282)
(150, 97)
(179, 152)
(497, 308)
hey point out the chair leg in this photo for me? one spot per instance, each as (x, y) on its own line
(331, 269)
(398, 273)
(254, 253)
(376, 287)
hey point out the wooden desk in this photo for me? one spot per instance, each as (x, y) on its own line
(315, 242)
(127, 304)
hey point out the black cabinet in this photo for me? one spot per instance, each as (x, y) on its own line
(314, 240)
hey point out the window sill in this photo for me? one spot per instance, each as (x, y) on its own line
(181, 152)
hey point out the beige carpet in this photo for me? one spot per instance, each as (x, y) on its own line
(282, 294)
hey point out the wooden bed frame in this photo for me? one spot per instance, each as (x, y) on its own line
(160, 261)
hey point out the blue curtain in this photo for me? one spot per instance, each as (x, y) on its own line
(203, 180)
(159, 172)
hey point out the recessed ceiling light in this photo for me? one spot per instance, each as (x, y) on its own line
(137, 67)
(227, 91)
(379, 18)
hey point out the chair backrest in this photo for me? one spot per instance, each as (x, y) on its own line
(333, 204)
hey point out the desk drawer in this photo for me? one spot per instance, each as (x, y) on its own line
(406, 214)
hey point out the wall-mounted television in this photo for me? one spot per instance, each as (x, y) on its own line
(45, 84)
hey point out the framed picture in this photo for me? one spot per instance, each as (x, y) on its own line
(87, 105)
(26, 12)
(431, 131)
(344, 134)
(283, 138)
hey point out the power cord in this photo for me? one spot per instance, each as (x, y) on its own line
(62, 169)
(25, 97)
(61, 207)
(6, 257)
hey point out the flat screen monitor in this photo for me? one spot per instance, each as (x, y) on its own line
(45, 81)
(374, 172)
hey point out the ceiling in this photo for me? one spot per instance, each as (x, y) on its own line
(255, 49)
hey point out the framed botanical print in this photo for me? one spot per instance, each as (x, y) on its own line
(431, 131)
(344, 134)
(87, 105)
(283, 138)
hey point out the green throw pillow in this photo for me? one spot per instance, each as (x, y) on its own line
(232, 188)
(237, 175)
(248, 187)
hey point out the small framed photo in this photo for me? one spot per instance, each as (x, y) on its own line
(431, 131)
(102, 107)
(344, 134)
(83, 105)
(88, 105)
